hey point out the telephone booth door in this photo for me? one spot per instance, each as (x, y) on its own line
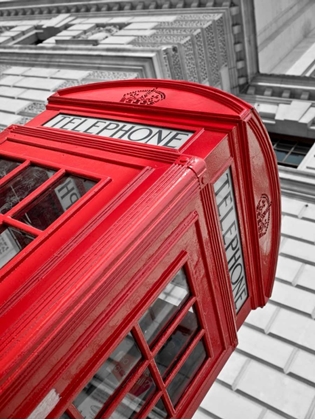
(168, 340)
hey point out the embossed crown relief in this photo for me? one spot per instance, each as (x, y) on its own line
(263, 214)
(143, 97)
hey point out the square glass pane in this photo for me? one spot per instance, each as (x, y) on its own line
(187, 372)
(280, 155)
(165, 307)
(108, 378)
(21, 186)
(7, 166)
(284, 145)
(294, 159)
(43, 211)
(176, 343)
(159, 411)
(302, 149)
(12, 241)
(142, 391)
(65, 416)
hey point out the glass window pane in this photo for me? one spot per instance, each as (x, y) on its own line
(294, 159)
(21, 186)
(43, 211)
(65, 416)
(140, 393)
(12, 241)
(7, 166)
(302, 149)
(187, 372)
(176, 344)
(108, 378)
(280, 155)
(165, 307)
(283, 145)
(159, 411)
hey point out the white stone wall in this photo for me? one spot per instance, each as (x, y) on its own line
(272, 372)
(281, 26)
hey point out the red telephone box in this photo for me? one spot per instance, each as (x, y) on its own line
(139, 227)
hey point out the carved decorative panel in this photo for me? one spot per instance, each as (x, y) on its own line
(34, 109)
(190, 62)
(108, 30)
(24, 120)
(200, 49)
(70, 83)
(176, 65)
(112, 75)
(167, 69)
(222, 41)
(185, 45)
(212, 55)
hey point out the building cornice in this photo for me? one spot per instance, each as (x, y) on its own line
(282, 86)
(87, 6)
(297, 184)
(242, 50)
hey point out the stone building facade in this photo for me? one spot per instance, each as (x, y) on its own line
(47, 45)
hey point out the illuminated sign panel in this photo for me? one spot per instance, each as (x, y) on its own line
(148, 134)
(225, 200)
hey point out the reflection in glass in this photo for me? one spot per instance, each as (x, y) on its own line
(165, 307)
(280, 155)
(176, 343)
(139, 394)
(65, 416)
(187, 373)
(294, 158)
(7, 166)
(302, 149)
(21, 186)
(12, 241)
(43, 211)
(159, 411)
(108, 378)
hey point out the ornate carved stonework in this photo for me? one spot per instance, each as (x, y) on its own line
(176, 65)
(183, 43)
(212, 55)
(24, 120)
(208, 55)
(112, 75)
(34, 109)
(108, 30)
(70, 83)
(221, 39)
(200, 50)
(143, 97)
(263, 214)
(168, 74)
(190, 60)
(199, 47)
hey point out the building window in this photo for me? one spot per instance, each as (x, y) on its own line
(290, 151)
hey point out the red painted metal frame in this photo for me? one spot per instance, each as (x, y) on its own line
(74, 293)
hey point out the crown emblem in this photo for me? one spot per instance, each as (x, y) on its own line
(263, 214)
(143, 97)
